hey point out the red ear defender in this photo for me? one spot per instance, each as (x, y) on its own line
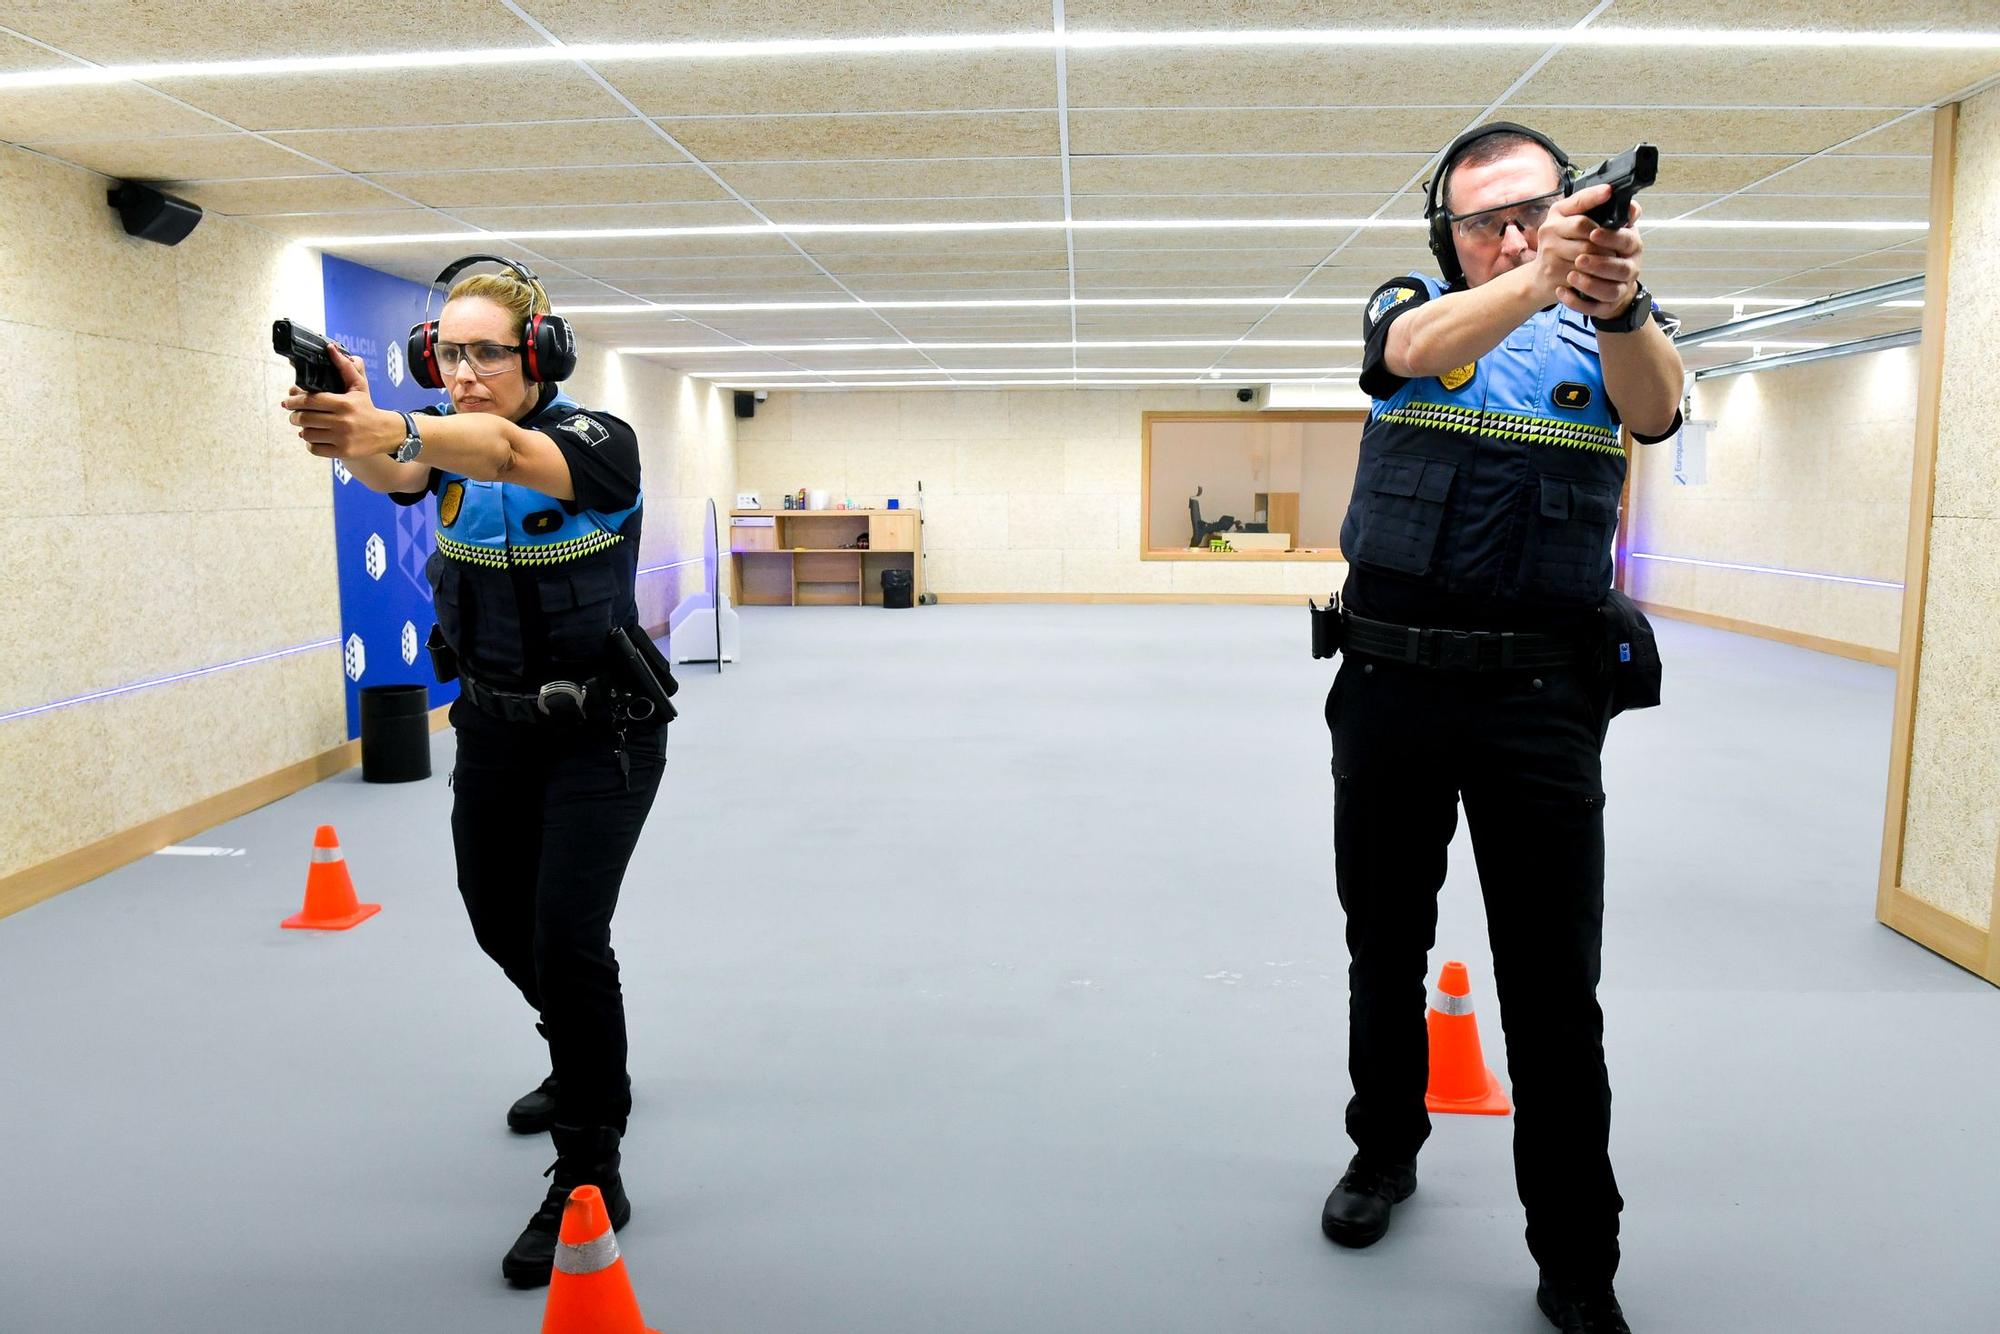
(421, 347)
(531, 338)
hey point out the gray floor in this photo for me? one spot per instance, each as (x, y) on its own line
(985, 975)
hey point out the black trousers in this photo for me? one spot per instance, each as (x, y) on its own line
(544, 821)
(1521, 750)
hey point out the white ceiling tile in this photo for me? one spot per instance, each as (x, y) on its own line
(809, 138)
(578, 21)
(438, 98)
(887, 82)
(111, 32)
(632, 184)
(303, 194)
(203, 157)
(1304, 77)
(613, 141)
(1344, 130)
(1734, 76)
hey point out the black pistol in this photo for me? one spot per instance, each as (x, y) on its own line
(1627, 174)
(312, 365)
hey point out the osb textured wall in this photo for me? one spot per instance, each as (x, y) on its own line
(166, 518)
(1953, 822)
(1026, 491)
(1808, 470)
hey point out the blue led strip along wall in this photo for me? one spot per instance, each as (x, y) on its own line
(1764, 569)
(113, 691)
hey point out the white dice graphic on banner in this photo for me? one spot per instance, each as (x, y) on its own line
(395, 359)
(409, 642)
(355, 658)
(375, 556)
(340, 471)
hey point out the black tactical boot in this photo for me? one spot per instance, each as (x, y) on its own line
(1581, 1310)
(585, 1156)
(1357, 1212)
(533, 1113)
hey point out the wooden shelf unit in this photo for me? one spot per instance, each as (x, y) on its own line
(807, 558)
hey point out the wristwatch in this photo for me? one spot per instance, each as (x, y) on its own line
(1632, 318)
(413, 444)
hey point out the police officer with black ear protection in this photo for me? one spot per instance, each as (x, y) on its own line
(562, 711)
(1479, 541)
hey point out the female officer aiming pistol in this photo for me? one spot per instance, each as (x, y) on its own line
(560, 730)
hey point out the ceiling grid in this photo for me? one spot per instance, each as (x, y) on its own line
(857, 180)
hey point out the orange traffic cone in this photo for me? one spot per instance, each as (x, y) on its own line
(330, 904)
(1460, 1081)
(589, 1293)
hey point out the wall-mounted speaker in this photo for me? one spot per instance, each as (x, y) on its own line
(746, 403)
(152, 216)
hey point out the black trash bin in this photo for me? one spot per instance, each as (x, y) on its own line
(896, 586)
(395, 733)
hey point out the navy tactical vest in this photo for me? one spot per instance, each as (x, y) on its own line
(1490, 493)
(527, 591)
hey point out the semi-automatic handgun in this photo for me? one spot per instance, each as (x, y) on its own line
(312, 365)
(1627, 174)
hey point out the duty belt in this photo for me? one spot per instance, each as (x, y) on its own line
(1454, 650)
(555, 702)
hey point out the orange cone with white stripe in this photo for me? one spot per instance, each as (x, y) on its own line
(1460, 1080)
(330, 904)
(590, 1293)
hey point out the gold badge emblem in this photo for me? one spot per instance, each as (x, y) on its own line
(1458, 379)
(448, 502)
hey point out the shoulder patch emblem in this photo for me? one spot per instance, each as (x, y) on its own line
(1458, 379)
(1569, 394)
(449, 501)
(1386, 300)
(587, 429)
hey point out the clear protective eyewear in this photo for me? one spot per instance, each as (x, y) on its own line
(486, 358)
(1489, 225)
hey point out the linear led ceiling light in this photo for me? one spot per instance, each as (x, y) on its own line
(740, 349)
(1741, 331)
(1041, 40)
(1067, 381)
(780, 229)
(1881, 343)
(1037, 370)
(667, 307)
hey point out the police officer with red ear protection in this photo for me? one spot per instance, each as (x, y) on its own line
(562, 711)
(1479, 545)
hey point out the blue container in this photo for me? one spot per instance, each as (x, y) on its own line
(895, 504)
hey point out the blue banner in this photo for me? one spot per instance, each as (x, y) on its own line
(385, 601)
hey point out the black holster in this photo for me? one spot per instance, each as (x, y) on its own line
(444, 660)
(1325, 627)
(1629, 655)
(641, 668)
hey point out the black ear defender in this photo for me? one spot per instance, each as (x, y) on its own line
(1439, 217)
(548, 347)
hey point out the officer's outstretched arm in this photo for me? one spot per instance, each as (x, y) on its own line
(1461, 327)
(479, 445)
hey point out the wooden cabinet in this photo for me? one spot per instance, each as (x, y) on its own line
(892, 530)
(824, 558)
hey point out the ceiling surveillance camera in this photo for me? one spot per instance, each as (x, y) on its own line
(1244, 395)
(763, 394)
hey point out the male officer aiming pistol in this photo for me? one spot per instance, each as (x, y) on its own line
(1479, 540)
